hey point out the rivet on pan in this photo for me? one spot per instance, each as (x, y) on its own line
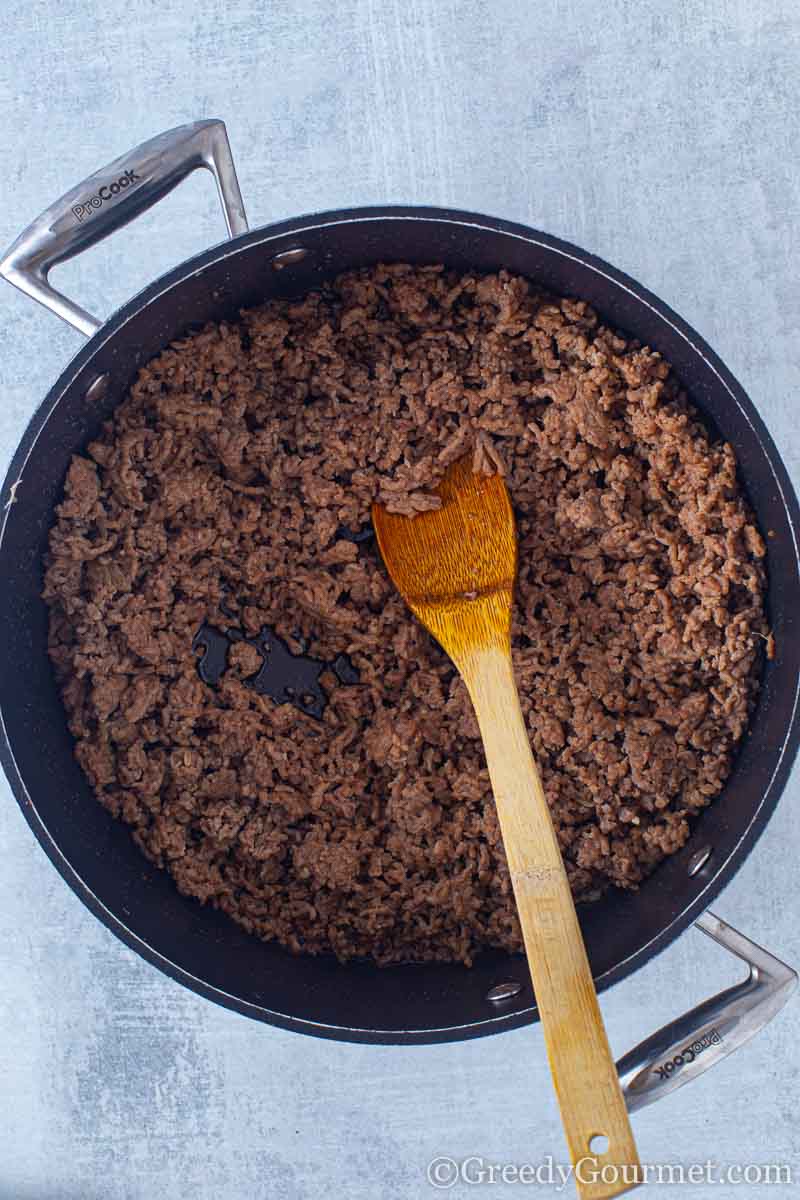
(287, 257)
(699, 859)
(97, 388)
(503, 991)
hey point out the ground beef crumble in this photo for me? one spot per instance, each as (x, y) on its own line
(233, 487)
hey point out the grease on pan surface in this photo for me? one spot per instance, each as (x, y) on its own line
(232, 490)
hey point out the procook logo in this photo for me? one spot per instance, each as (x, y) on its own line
(688, 1054)
(107, 192)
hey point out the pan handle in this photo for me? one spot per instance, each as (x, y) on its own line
(111, 198)
(710, 1032)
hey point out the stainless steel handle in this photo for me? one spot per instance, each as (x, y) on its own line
(111, 198)
(697, 1040)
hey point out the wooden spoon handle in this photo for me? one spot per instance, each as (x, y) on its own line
(583, 1070)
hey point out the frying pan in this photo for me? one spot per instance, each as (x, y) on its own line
(203, 949)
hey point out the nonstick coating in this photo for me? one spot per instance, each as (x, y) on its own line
(95, 854)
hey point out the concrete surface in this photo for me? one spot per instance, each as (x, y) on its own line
(661, 136)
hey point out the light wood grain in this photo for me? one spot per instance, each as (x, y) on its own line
(455, 568)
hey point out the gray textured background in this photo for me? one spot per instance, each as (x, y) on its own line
(661, 136)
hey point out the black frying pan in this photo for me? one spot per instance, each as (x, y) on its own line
(204, 949)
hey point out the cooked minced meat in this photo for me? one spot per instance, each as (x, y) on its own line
(232, 489)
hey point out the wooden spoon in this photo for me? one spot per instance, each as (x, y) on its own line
(455, 567)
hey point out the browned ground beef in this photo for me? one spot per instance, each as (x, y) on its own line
(227, 490)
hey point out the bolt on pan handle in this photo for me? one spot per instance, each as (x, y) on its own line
(710, 1032)
(112, 197)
